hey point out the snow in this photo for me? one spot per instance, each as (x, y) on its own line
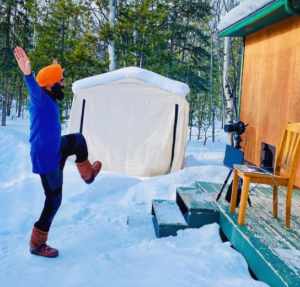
(242, 11)
(198, 197)
(168, 212)
(172, 86)
(97, 245)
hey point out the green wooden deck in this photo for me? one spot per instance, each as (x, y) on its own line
(271, 250)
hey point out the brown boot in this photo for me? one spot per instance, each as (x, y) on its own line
(87, 171)
(38, 244)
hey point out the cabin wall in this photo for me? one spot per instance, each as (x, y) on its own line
(271, 85)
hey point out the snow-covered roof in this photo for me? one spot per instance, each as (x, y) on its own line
(178, 88)
(245, 9)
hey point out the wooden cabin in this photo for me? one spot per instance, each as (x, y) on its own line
(270, 84)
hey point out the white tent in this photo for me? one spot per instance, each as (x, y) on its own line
(135, 121)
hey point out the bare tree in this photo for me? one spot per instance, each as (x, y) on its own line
(6, 57)
(226, 83)
(111, 46)
(229, 64)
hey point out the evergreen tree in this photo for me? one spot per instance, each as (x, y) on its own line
(63, 33)
(169, 37)
(14, 30)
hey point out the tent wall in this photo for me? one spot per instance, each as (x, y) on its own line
(129, 127)
(271, 85)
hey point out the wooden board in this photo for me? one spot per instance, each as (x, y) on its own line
(270, 95)
(196, 206)
(271, 250)
(167, 218)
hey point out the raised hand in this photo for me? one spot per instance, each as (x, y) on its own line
(23, 61)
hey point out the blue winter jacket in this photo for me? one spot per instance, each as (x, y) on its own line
(45, 129)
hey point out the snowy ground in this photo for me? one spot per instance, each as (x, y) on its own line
(97, 246)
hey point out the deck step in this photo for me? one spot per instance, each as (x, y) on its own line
(167, 218)
(271, 250)
(196, 207)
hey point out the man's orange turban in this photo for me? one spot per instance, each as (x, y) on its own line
(49, 75)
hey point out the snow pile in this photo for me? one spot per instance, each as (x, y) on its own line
(190, 160)
(174, 87)
(14, 155)
(97, 246)
(242, 11)
(139, 196)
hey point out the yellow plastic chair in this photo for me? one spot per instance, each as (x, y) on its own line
(284, 174)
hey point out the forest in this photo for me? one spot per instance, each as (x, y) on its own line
(175, 38)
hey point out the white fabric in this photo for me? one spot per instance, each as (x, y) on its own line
(174, 87)
(129, 124)
(242, 11)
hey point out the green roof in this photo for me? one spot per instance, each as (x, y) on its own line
(266, 16)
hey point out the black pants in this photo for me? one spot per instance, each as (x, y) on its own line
(73, 144)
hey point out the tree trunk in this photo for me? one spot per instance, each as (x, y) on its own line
(6, 75)
(226, 84)
(136, 39)
(172, 49)
(20, 99)
(111, 46)
(200, 119)
(172, 42)
(191, 122)
(8, 104)
(63, 43)
(142, 55)
(10, 99)
(222, 96)
(4, 101)
(211, 92)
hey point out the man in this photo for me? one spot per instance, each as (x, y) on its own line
(49, 151)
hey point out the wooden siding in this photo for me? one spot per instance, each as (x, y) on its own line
(271, 86)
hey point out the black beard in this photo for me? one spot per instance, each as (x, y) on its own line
(57, 92)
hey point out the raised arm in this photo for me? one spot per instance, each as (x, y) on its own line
(23, 61)
(33, 87)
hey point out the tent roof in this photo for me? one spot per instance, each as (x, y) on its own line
(251, 16)
(178, 88)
